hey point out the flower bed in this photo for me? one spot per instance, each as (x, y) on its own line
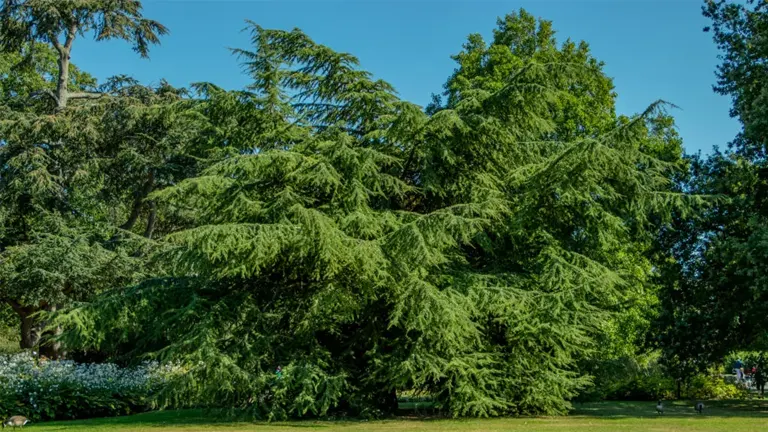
(46, 390)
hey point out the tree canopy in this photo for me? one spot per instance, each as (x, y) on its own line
(25, 24)
(492, 250)
(65, 178)
(474, 250)
(718, 304)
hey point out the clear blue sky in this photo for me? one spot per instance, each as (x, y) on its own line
(652, 49)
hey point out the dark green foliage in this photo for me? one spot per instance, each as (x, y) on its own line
(473, 252)
(719, 303)
(74, 188)
(59, 241)
(51, 227)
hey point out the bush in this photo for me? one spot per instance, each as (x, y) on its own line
(47, 390)
(713, 386)
(628, 378)
(650, 384)
(644, 379)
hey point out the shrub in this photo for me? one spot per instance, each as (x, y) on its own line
(648, 385)
(47, 390)
(643, 378)
(628, 378)
(713, 386)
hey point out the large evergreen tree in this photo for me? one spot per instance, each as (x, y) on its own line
(472, 252)
(546, 98)
(27, 183)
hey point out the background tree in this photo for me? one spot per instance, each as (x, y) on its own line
(66, 177)
(718, 305)
(18, 81)
(100, 162)
(27, 23)
(49, 245)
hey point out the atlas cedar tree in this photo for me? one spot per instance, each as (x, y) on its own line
(472, 252)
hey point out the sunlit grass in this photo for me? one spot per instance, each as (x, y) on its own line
(609, 416)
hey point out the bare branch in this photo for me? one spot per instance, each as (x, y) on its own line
(56, 44)
(71, 33)
(46, 92)
(86, 95)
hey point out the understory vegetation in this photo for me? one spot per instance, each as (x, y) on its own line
(63, 389)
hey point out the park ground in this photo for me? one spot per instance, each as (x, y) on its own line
(731, 416)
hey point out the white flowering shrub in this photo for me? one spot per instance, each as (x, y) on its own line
(65, 389)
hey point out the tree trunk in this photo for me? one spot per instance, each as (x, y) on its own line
(48, 348)
(387, 401)
(32, 335)
(30, 329)
(30, 332)
(151, 220)
(138, 202)
(62, 85)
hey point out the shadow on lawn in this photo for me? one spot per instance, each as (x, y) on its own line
(619, 410)
(159, 419)
(601, 410)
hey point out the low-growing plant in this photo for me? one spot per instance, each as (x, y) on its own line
(713, 386)
(48, 390)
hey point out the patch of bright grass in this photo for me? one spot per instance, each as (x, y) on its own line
(726, 416)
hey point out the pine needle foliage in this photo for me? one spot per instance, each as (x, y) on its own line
(471, 252)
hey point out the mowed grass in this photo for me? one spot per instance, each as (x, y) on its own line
(731, 416)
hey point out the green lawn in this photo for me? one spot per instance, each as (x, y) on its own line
(731, 416)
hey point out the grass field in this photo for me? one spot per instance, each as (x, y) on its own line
(732, 416)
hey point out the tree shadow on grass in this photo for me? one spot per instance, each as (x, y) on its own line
(215, 419)
(724, 409)
(601, 410)
(160, 419)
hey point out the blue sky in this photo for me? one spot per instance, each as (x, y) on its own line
(652, 49)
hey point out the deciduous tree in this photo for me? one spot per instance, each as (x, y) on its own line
(717, 302)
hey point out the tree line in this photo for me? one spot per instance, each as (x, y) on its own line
(483, 249)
